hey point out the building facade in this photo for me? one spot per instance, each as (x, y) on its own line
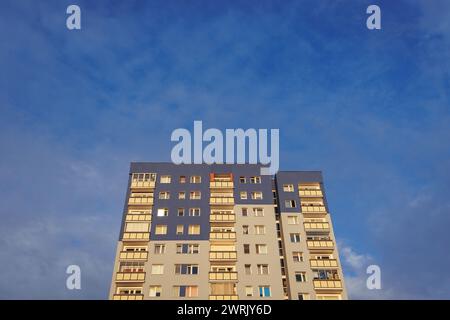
(225, 232)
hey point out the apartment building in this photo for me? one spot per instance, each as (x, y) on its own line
(225, 232)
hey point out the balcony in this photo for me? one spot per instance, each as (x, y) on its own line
(136, 236)
(221, 200)
(128, 297)
(133, 255)
(311, 193)
(323, 263)
(313, 209)
(319, 226)
(224, 297)
(222, 275)
(142, 184)
(218, 235)
(138, 217)
(214, 217)
(320, 244)
(223, 256)
(130, 276)
(327, 284)
(137, 201)
(221, 185)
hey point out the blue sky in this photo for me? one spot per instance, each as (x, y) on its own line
(370, 109)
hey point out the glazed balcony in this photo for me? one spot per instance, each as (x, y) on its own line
(136, 236)
(221, 200)
(223, 256)
(133, 255)
(128, 297)
(313, 209)
(232, 276)
(320, 244)
(327, 284)
(139, 201)
(221, 185)
(323, 263)
(218, 217)
(142, 184)
(130, 276)
(138, 217)
(220, 235)
(310, 193)
(316, 226)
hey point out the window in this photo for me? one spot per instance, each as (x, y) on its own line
(255, 179)
(196, 179)
(300, 276)
(163, 212)
(165, 195)
(195, 195)
(264, 291)
(246, 248)
(263, 268)
(242, 180)
(244, 229)
(293, 220)
(288, 187)
(295, 237)
(257, 195)
(180, 212)
(165, 179)
(182, 179)
(258, 212)
(297, 256)
(157, 269)
(161, 229)
(243, 195)
(184, 248)
(248, 269)
(249, 291)
(261, 249)
(180, 229)
(303, 296)
(186, 269)
(181, 195)
(137, 227)
(244, 212)
(194, 212)
(290, 204)
(194, 229)
(160, 248)
(185, 291)
(260, 230)
(143, 177)
(155, 291)
(131, 266)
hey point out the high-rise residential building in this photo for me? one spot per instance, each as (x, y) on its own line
(225, 232)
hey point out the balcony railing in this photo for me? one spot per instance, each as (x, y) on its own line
(217, 235)
(311, 193)
(133, 255)
(221, 184)
(317, 225)
(221, 200)
(128, 297)
(138, 217)
(320, 244)
(223, 255)
(144, 236)
(140, 201)
(223, 275)
(143, 184)
(223, 297)
(313, 209)
(323, 263)
(327, 284)
(130, 276)
(214, 217)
